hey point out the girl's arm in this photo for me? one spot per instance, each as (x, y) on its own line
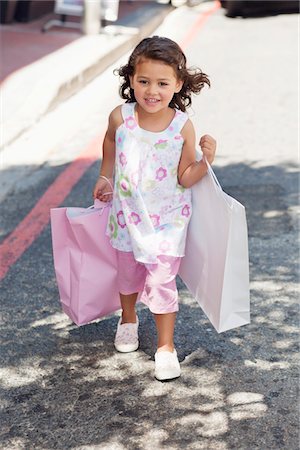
(102, 186)
(191, 171)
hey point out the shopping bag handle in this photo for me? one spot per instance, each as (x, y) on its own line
(212, 173)
(107, 181)
(99, 205)
(214, 177)
(200, 157)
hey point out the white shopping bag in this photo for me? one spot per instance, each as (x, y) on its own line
(215, 267)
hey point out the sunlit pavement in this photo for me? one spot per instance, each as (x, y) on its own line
(66, 387)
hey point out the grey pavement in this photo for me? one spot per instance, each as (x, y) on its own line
(65, 387)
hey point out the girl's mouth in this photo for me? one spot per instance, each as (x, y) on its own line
(151, 101)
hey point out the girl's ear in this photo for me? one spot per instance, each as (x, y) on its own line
(179, 85)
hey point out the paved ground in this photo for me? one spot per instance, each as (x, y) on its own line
(65, 387)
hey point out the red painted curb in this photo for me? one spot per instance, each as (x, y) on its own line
(33, 224)
(198, 24)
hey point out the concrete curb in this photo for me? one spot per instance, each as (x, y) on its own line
(124, 44)
(39, 88)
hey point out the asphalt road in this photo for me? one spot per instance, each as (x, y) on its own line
(65, 387)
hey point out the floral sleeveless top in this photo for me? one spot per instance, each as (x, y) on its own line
(150, 211)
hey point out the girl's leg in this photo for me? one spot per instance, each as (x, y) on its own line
(167, 366)
(128, 307)
(165, 324)
(161, 296)
(131, 278)
(126, 338)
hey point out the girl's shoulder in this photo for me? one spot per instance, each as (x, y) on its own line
(121, 114)
(188, 126)
(116, 118)
(188, 129)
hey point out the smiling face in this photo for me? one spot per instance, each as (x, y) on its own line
(154, 84)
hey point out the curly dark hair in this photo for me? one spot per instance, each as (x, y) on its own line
(167, 51)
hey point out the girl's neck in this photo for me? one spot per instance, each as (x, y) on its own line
(155, 122)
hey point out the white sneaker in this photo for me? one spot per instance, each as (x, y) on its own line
(167, 365)
(126, 339)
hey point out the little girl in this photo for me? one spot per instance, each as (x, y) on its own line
(149, 151)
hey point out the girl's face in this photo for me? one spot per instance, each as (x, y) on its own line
(154, 84)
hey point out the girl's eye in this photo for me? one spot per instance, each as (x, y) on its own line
(163, 84)
(143, 81)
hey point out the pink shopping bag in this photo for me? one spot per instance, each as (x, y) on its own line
(85, 262)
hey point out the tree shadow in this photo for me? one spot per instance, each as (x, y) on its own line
(65, 387)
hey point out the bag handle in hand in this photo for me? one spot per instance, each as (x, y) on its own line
(108, 181)
(214, 177)
(102, 205)
(212, 173)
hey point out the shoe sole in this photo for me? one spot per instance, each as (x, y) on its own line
(167, 376)
(126, 348)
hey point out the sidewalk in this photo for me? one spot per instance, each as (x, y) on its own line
(43, 69)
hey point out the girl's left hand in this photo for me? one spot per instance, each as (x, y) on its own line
(208, 146)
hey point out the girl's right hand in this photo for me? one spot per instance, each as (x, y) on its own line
(102, 190)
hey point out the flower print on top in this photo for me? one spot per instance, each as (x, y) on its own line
(164, 246)
(130, 123)
(122, 159)
(134, 218)
(134, 178)
(121, 219)
(186, 210)
(124, 186)
(178, 137)
(155, 220)
(120, 139)
(113, 227)
(150, 211)
(161, 144)
(161, 173)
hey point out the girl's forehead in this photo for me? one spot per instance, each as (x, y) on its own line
(154, 67)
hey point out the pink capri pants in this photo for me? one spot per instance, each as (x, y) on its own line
(155, 282)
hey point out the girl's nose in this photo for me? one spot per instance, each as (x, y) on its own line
(152, 90)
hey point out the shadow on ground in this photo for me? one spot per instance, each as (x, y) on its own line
(65, 387)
